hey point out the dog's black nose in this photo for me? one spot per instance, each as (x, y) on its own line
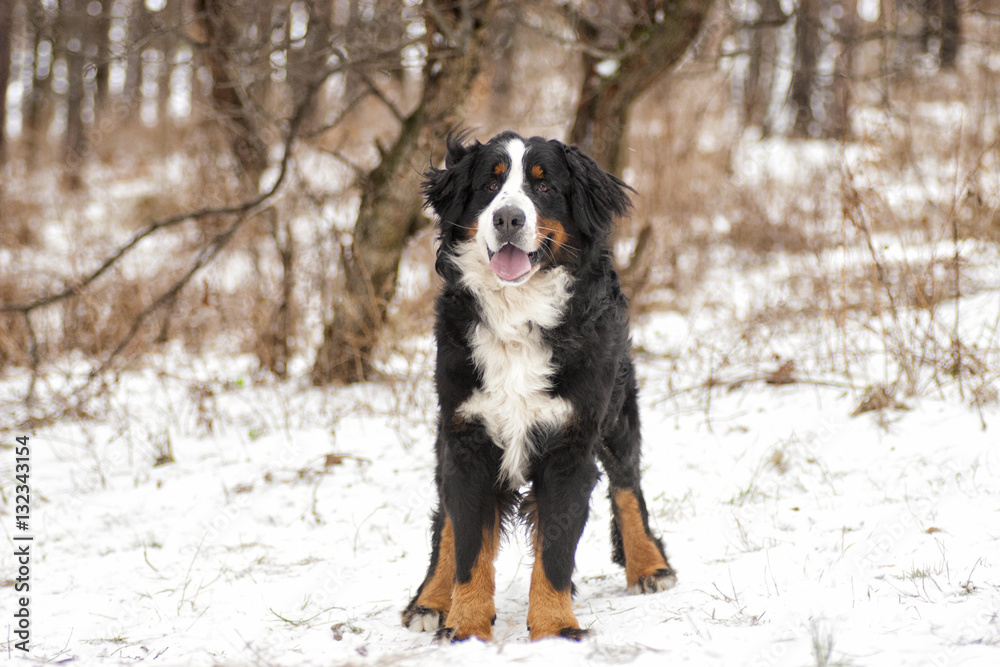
(508, 219)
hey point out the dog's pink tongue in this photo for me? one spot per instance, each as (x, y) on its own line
(510, 263)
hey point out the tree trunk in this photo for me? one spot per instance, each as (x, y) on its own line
(101, 25)
(951, 34)
(38, 109)
(650, 49)
(652, 44)
(138, 30)
(224, 22)
(839, 106)
(807, 45)
(759, 82)
(306, 67)
(308, 60)
(166, 44)
(389, 213)
(6, 28)
(820, 100)
(72, 39)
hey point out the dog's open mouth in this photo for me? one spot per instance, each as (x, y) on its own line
(510, 263)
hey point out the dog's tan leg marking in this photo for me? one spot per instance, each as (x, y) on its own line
(642, 557)
(437, 592)
(550, 612)
(472, 607)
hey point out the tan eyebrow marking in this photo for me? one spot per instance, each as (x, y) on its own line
(500, 169)
(537, 171)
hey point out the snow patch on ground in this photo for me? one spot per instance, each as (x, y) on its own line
(292, 528)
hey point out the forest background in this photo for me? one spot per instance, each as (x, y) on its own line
(244, 177)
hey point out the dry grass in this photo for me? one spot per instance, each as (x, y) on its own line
(864, 260)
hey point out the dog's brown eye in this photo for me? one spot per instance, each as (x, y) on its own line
(492, 186)
(541, 187)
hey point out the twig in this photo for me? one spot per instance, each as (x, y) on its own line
(854, 212)
(734, 383)
(33, 351)
(453, 36)
(209, 252)
(380, 96)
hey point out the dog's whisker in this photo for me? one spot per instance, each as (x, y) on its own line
(563, 244)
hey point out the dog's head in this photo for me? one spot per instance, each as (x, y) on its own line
(522, 205)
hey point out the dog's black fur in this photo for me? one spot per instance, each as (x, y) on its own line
(590, 379)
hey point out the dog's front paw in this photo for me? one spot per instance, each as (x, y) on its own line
(449, 635)
(575, 634)
(569, 632)
(452, 635)
(654, 582)
(423, 619)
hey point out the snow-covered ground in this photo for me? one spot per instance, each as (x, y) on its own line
(292, 528)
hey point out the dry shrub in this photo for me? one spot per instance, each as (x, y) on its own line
(413, 310)
(794, 229)
(679, 164)
(680, 160)
(18, 223)
(14, 348)
(856, 268)
(98, 320)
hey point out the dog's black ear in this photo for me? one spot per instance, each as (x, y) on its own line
(446, 190)
(598, 198)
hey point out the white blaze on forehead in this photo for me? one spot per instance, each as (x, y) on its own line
(511, 193)
(516, 150)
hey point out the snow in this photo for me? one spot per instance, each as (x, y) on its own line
(292, 528)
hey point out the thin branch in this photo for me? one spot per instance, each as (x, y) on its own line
(208, 253)
(116, 256)
(240, 209)
(442, 23)
(33, 353)
(348, 108)
(380, 96)
(358, 171)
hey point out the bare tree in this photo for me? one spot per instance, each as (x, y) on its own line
(72, 44)
(840, 84)
(951, 33)
(759, 26)
(390, 210)
(100, 49)
(940, 33)
(6, 28)
(627, 47)
(233, 218)
(233, 52)
(138, 32)
(804, 69)
(819, 93)
(37, 109)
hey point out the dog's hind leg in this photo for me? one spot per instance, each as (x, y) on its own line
(634, 546)
(647, 569)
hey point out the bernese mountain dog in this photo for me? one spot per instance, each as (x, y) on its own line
(534, 379)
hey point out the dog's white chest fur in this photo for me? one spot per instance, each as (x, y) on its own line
(515, 361)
